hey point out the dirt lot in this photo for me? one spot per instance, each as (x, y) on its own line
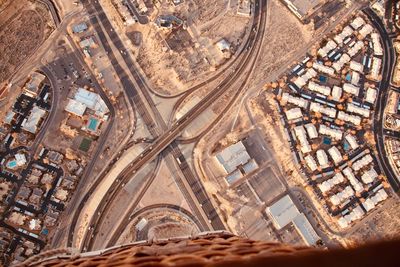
(23, 27)
(168, 70)
(206, 12)
(282, 40)
(174, 60)
(383, 224)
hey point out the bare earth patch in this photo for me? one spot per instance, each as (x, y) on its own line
(282, 39)
(24, 27)
(209, 10)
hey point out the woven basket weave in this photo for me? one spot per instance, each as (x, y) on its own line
(210, 249)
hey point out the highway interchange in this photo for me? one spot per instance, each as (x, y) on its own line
(165, 135)
(167, 138)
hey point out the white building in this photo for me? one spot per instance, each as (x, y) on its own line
(353, 180)
(361, 163)
(340, 197)
(335, 154)
(352, 141)
(354, 65)
(305, 229)
(371, 202)
(356, 120)
(330, 45)
(338, 65)
(233, 156)
(351, 89)
(357, 23)
(371, 95)
(334, 133)
(355, 78)
(298, 101)
(376, 44)
(365, 30)
(92, 101)
(322, 158)
(346, 32)
(294, 113)
(311, 130)
(375, 69)
(311, 163)
(302, 137)
(316, 107)
(356, 214)
(355, 49)
(358, 110)
(324, 69)
(31, 123)
(369, 176)
(327, 185)
(75, 107)
(303, 79)
(20, 159)
(325, 90)
(336, 93)
(284, 212)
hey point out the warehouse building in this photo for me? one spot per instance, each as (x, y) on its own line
(284, 211)
(302, 9)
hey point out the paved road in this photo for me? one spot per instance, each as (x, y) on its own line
(53, 10)
(387, 71)
(132, 8)
(167, 138)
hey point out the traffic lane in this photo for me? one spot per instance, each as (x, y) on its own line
(189, 116)
(141, 18)
(382, 97)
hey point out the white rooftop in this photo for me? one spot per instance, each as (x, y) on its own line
(283, 212)
(30, 124)
(75, 107)
(233, 156)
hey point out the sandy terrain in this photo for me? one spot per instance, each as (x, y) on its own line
(206, 12)
(283, 37)
(23, 27)
(384, 224)
(175, 60)
(396, 73)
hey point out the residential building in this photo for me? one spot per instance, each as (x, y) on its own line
(334, 133)
(322, 158)
(371, 95)
(33, 86)
(353, 180)
(335, 155)
(31, 123)
(361, 163)
(302, 137)
(351, 89)
(311, 163)
(294, 113)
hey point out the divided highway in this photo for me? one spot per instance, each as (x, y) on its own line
(387, 71)
(166, 139)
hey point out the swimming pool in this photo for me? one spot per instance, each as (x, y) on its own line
(346, 146)
(12, 164)
(323, 78)
(326, 140)
(348, 77)
(93, 124)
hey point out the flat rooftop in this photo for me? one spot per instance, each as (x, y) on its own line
(303, 7)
